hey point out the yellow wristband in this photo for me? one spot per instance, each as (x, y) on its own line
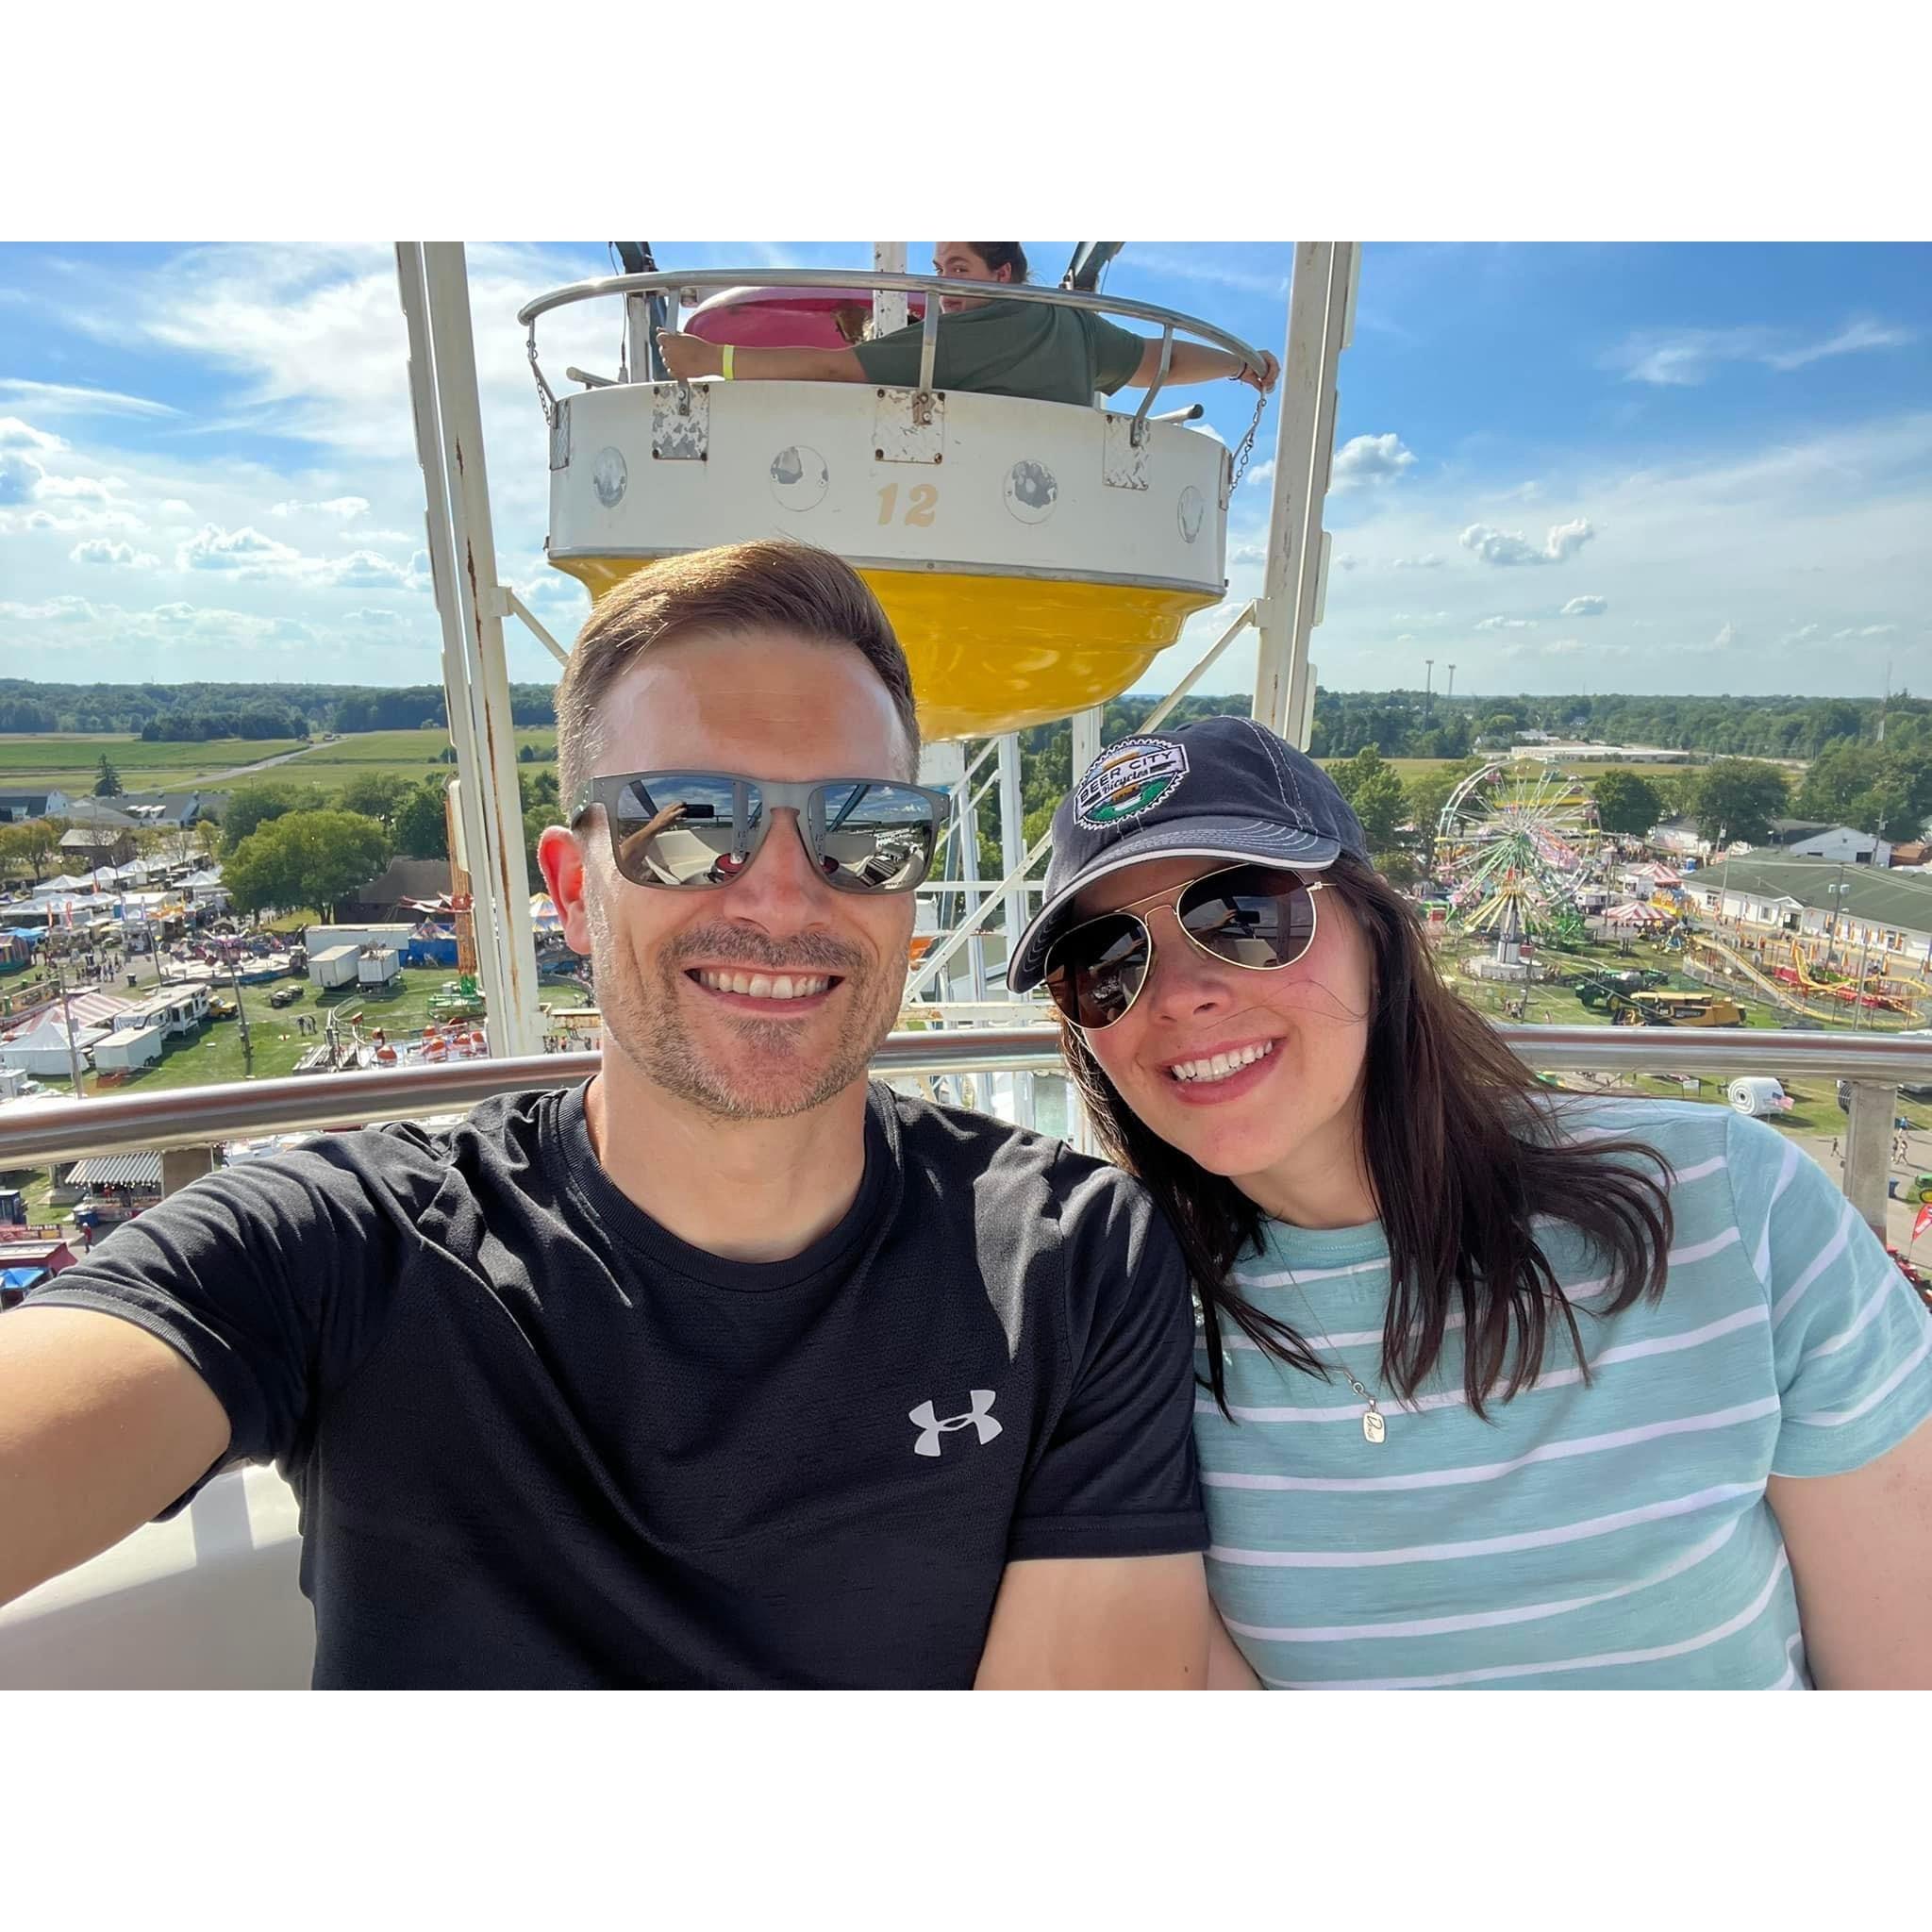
(729, 358)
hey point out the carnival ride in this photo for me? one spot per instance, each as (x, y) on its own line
(1513, 845)
(1786, 973)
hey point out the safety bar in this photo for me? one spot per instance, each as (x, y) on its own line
(41, 1132)
(670, 282)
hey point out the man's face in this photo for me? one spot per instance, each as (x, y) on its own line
(764, 704)
(962, 260)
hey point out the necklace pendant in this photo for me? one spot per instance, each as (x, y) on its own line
(1373, 1428)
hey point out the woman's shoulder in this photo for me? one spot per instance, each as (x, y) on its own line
(1674, 1128)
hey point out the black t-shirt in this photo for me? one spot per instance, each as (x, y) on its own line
(540, 1441)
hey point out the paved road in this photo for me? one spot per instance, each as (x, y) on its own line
(243, 771)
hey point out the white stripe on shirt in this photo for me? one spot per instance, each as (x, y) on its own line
(1833, 1249)
(1486, 1546)
(1488, 1472)
(1761, 1261)
(1607, 1661)
(1832, 1418)
(1483, 1620)
(1449, 1398)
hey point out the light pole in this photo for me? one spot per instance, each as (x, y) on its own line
(1451, 692)
(1429, 686)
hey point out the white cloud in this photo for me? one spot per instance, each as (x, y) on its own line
(95, 488)
(175, 613)
(20, 476)
(364, 570)
(1868, 630)
(1428, 560)
(246, 549)
(15, 434)
(344, 507)
(104, 550)
(1368, 459)
(174, 507)
(66, 399)
(1261, 475)
(54, 610)
(1585, 607)
(1507, 547)
(378, 620)
(1725, 638)
(1506, 624)
(1684, 358)
(77, 517)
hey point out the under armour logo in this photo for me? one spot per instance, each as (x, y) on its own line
(931, 1428)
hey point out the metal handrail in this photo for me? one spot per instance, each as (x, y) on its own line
(42, 1132)
(671, 280)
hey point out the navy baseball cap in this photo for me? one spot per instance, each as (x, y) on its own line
(1221, 788)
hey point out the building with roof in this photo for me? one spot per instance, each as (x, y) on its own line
(16, 807)
(175, 810)
(1810, 839)
(1852, 906)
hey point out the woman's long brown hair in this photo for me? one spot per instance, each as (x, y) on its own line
(1464, 1154)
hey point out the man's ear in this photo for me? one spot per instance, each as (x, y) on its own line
(562, 861)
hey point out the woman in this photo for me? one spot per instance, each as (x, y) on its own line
(1499, 1389)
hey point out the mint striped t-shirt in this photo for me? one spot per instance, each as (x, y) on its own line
(1615, 1536)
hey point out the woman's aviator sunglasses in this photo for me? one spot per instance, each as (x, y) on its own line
(1257, 917)
(694, 831)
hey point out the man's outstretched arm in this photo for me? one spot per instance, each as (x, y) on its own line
(101, 1425)
(1099, 1624)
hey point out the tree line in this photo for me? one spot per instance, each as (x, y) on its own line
(297, 711)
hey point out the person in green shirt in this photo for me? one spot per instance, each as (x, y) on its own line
(1045, 351)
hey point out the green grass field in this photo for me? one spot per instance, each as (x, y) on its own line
(67, 761)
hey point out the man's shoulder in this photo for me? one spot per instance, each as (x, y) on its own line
(1030, 1171)
(409, 1163)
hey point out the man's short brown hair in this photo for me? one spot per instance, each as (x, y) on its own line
(735, 588)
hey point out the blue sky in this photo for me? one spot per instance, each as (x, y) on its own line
(1696, 467)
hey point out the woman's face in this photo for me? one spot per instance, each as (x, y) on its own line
(1298, 1105)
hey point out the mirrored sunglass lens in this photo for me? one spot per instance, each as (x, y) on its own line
(682, 829)
(1094, 973)
(1254, 918)
(873, 838)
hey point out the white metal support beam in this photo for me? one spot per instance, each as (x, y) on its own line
(1320, 309)
(1012, 842)
(435, 289)
(888, 305)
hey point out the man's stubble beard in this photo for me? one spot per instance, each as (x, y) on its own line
(649, 1027)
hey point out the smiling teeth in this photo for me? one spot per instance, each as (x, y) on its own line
(1221, 1065)
(762, 986)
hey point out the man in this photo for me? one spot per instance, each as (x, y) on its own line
(1044, 350)
(724, 1369)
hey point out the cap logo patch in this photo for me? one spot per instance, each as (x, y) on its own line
(1127, 779)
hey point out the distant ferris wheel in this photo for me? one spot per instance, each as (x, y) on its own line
(1513, 843)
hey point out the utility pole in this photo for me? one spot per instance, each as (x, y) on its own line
(241, 1021)
(67, 1019)
(1450, 693)
(1429, 686)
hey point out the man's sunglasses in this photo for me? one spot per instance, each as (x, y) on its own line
(1257, 917)
(692, 831)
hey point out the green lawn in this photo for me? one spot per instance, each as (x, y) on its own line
(67, 761)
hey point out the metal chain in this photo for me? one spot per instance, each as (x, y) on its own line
(546, 401)
(1245, 448)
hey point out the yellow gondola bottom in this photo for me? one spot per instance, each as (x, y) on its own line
(994, 654)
